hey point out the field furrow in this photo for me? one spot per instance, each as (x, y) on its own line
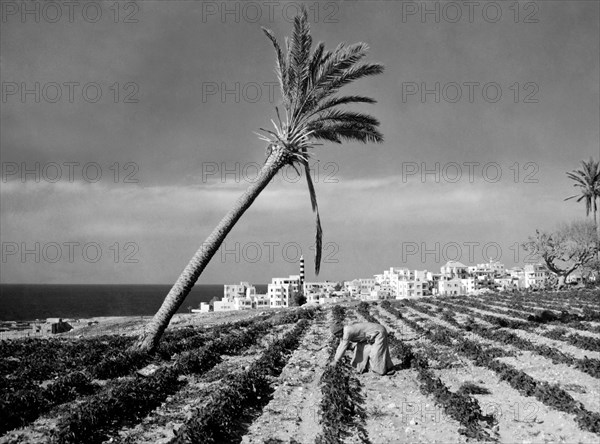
(551, 395)
(531, 336)
(452, 408)
(498, 368)
(241, 396)
(292, 413)
(512, 411)
(540, 368)
(159, 425)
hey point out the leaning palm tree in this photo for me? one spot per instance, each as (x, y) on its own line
(309, 81)
(587, 180)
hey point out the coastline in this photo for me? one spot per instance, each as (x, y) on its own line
(133, 325)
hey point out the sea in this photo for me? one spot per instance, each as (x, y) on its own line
(28, 302)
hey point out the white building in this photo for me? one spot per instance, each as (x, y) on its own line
(433, 280)
(481, 273)
(388, 280)
(454, 269)
(244, 303)
(467, 285)
(225, 305)
(365, 286)
(239, 297)
(314, 298)
(514, 272)
(450, 287)
(409, 289)
(231, 291)
(377, 293)
(494, 266)
(261, 301)
(517, 275)
(257, 300)
(281, 290)
(403, 283)
(536, 275)
(506, 283)
(204, 308)
(409, 283)
(318, 287)
(352, 287)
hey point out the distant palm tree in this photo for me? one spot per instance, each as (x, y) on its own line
(309, 82)
(587, 180)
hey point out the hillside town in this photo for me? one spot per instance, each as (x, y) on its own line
(454, 278)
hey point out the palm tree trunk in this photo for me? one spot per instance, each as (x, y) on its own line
(596, 219)
(148, 341)
(597, 232)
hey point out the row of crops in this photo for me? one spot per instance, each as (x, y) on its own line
(93, 392)
(586, 365)
(458, 405)
(340, 409)
(443, 331)
(519, 322)
(240, 394)
(486, 355)
(94, 387)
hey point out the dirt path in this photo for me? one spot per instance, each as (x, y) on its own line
(292, 414)
(159, 425)
(557, 306)
(521, 418)
(504, 306)
(397, 411)
(507, 316)
(581, 386)
(534, 337)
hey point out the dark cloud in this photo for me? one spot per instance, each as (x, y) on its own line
(169, 64)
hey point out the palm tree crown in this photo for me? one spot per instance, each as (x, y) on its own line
(587, 180)
(309, 82)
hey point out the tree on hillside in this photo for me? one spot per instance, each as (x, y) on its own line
(590, 272)
(298, 299)
(571, 247)
(309, 82)
(587, 180)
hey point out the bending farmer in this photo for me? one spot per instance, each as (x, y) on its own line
(371, 346)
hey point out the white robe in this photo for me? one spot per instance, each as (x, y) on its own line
(371, 350)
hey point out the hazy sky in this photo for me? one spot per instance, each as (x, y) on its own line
(147, 113)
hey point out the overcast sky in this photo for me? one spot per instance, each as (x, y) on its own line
(130, 111)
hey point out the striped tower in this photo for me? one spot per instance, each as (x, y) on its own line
(301, 272)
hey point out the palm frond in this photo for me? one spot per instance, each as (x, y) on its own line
(350, 117)
(336, 101)
(315, 61)
(315, 208)
(344, 100)
(290, 75)
(342, 58)
(335, 132)
(587, 180)
(333, 64)
(298, 55)
(323, 90)
(309, 83)
(281, 69)
(351, 74)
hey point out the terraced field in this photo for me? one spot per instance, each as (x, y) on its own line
(507, 368)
